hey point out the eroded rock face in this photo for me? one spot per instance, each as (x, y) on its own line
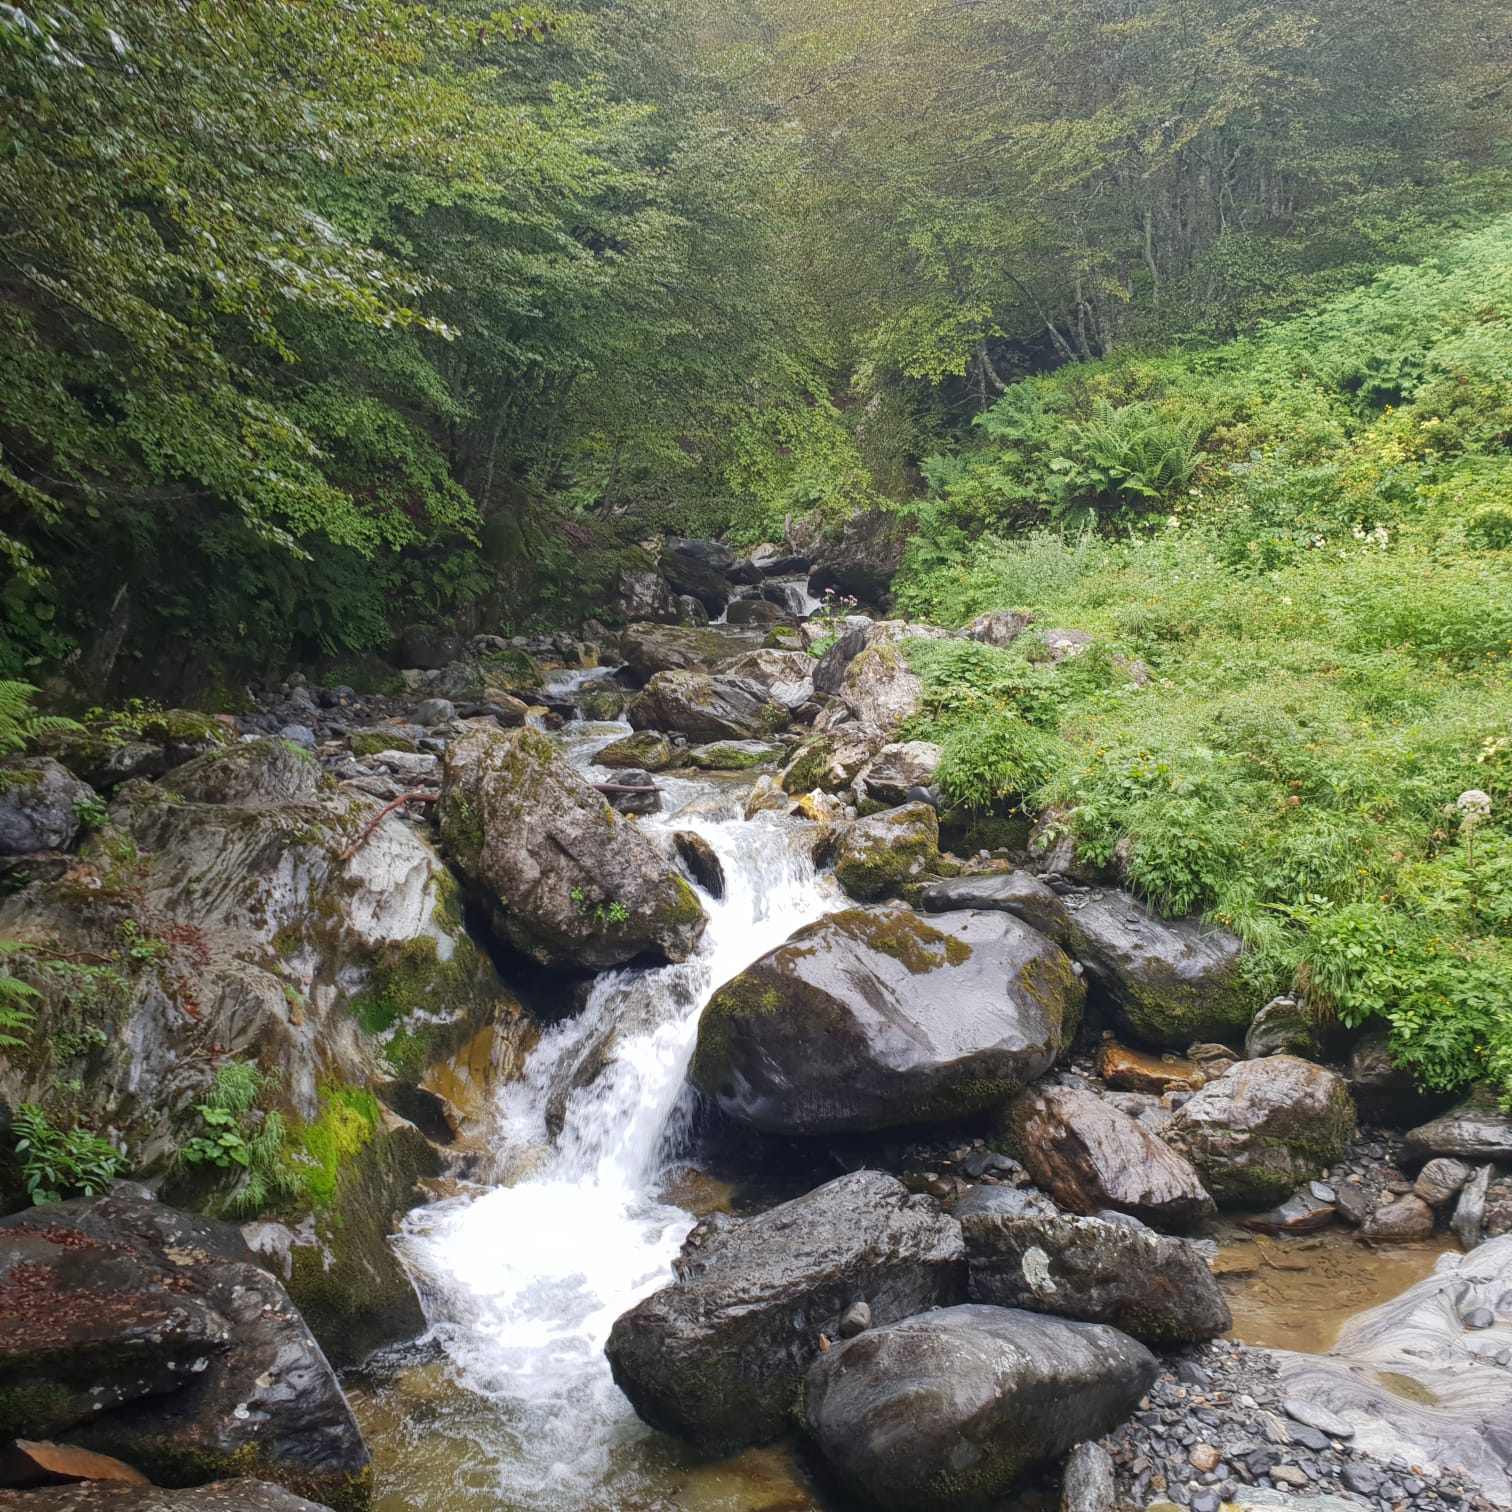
(567, 881)
(876, 857)
(787, 675)
(874, 1018)
(1156, 1288)
(142, 1333)
(948, 1409)
(879, 689)
(865, 557)
(1264, 1128)
(1001, 627)
(1091, 1157)
(649, 649)
(706, 708)
(718, 1357)
(1414, 1382)
(39, 805)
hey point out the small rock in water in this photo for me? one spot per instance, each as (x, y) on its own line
(1407, 1218)
(856, 1320)
(1479, 1317)
(1317, 1417)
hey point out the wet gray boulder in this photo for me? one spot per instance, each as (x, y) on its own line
(695, 576)
(1264, 1128)
(1091, 1157)
(830, 761)
(1154, 1287)
(565, 879)
(105, 1496)
(39, 805)
(863, 558)
(896, 770)
(645, 751)
(719, 1356)
(1440, 1181)
(707, 708)
(143, 1333)
(702, 861)
(1017, 892)
(1283, 1027)
(947, 1410)
(999, 627)
(1415, 1383)
(1477, 1130)
(649, 649)
(875, 1018)
(1383, 1093)
(879, 689)
(1171, 982)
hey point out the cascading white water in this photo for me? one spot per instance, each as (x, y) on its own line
(523, 1283)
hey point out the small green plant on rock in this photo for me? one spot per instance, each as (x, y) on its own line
(58, 1163)
(240, 1138)
(16, 997)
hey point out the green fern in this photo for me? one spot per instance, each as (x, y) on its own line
(19, 722)
(237, 1138)
(15, 996)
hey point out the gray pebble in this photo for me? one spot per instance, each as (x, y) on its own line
(1479, 1317)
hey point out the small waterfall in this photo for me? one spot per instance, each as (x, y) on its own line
(523, 1283)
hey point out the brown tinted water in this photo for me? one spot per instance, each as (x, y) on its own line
(1296, 1293)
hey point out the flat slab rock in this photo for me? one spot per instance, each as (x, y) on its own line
(149, 1335)
(948, 1409)
(718, 1357)
(1413, 1380)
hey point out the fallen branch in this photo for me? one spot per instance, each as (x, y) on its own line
(419, 796)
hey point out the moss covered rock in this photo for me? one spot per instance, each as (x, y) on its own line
(1264, 1128)
(644, 751)
(736, 755)
(877, 857)
(830, 761)
(874, 1018)
(565, 879)
(649, 649)
(707, 708)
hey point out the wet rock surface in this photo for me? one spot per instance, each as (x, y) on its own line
(567, 882)
(950, 1409)
(719, 1356)
(707, 708)
(1154, 1287)
(1264, 1128)
(878, 857)
(220, 1496)
(1090, 1156)
(142, 1333)
(39, 805)
(918, 1021)
(1477, 1130)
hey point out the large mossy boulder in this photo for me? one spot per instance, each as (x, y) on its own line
(1264, 1128)
(830, 761)
(787, 675)
(875, 1018)
(879, 690)
(947, 1410)
(719, 1356)
(644, 751)
(878, 857)
(1092, 1157)
(1170, 982)
(649, 649)
(139, 1332)
(705, 708)
(1154, 1287)
(565, 880)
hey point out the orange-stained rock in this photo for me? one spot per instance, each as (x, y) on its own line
(1135, 1071)
(79, 1464)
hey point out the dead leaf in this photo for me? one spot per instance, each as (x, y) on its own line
(80, 1464)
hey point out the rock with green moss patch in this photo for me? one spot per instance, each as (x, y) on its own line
(644, 751)
(707, 708)
(1172, 982)
(1264, 1128)
(945, 1411)
(340, 1267)
(718, 1356)
(830, 761)
(736, 755)
(185, 734)
(565, 879)
(649, 649)
(140, 1332)
(255, 773)
(877, 857)
(874, 1018)
(375, 742)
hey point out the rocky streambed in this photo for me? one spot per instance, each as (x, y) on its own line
(749, 1139)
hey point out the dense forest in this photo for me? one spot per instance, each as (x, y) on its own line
(323, 318)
